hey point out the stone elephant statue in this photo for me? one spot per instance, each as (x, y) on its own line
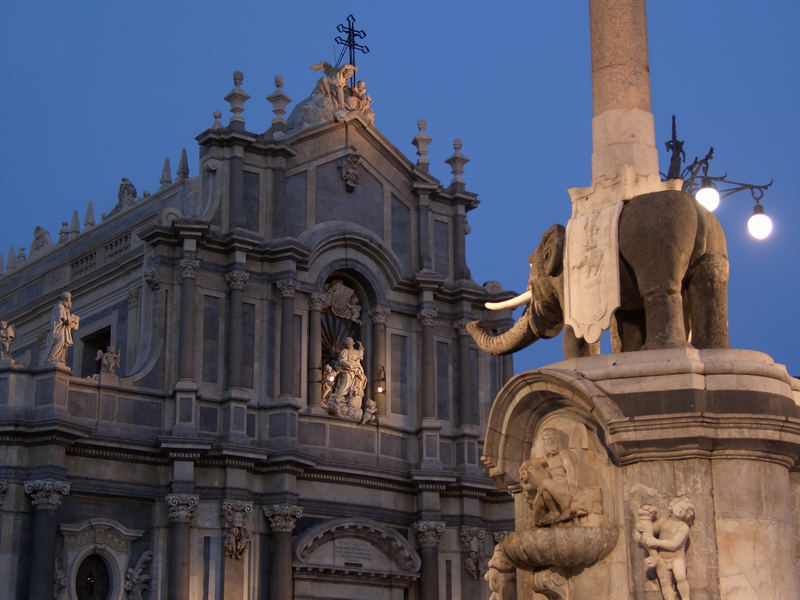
(673, 283)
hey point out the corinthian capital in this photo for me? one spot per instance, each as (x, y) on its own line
(46, 494)
(181, 507)
(427, 316)
(318, 301)
(429, 532)
(282, 517)
(287, 287)
(467, 534)
(189, 267)
(237, 279)
(380, 315)
(461, 326)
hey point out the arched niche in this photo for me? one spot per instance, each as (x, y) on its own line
(105, 539)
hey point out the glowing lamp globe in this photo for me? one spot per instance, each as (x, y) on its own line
(708, 196)
(759, 225)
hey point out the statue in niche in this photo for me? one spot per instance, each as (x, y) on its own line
(62, 323)
(551, 485)
(345, 395)
(665, 541)
(6, 337)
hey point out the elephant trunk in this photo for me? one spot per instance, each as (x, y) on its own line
(518, 337)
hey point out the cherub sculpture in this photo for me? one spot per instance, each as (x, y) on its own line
(665, 541)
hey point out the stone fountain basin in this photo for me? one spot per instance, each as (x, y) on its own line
(558, 546)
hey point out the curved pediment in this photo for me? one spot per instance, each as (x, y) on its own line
(357, 547)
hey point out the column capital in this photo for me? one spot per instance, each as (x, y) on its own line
(236, 533)
(181, 507)
(282, 517)
(380, 315)
(427, 316)
(237, 279)
(189, 267)
(461, 326)
(46, 494)
(429, 532)
(318, 301)
(467, 534)
(287, 287)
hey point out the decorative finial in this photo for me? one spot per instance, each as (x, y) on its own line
(217, 123)
(74, 227)
(166, 173)
(279, 101)
(1, 264)
(63, 233)
(237, 97)
(88, 221)
(21, 256)
(457, 162)
(183, 166)
(421, 141)
(12, 260)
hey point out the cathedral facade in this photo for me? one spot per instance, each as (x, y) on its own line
(256, 382)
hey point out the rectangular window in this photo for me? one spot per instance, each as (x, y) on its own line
(443, 381)
(398, 389)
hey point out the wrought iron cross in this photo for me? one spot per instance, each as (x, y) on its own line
(350, 43)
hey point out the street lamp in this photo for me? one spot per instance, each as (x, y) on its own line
(712, 189)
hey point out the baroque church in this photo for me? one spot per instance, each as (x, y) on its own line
(256, 382)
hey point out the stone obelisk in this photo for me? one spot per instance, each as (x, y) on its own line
(624, 163)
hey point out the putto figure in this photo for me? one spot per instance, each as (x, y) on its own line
(665, 541)
(332, 99)
(62, 324)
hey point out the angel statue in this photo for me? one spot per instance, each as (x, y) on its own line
(332, 99)
(334, 83)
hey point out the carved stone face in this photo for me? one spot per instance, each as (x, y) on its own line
(552, 443)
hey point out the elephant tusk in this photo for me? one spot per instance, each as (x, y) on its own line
(510, 303)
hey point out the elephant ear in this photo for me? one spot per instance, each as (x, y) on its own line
(553, 249)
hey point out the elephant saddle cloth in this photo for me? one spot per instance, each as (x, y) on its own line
(591, 271)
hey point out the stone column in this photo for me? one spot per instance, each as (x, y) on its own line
(189, 266)
(428, 535)
(287, 288)
(236, 281)
(315, 350)
(181, 509)
(282, 518)
(237, 529)
(46, 496)
(427, 318)
(425, 234)
(459, 243)
(464, 379)
(622, 128)
(379, 317)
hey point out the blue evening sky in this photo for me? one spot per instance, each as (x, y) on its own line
(97, 90)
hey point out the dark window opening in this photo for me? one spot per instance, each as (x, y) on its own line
(92, 581)
(99, 340)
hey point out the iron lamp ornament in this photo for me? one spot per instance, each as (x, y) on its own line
(712, 189)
